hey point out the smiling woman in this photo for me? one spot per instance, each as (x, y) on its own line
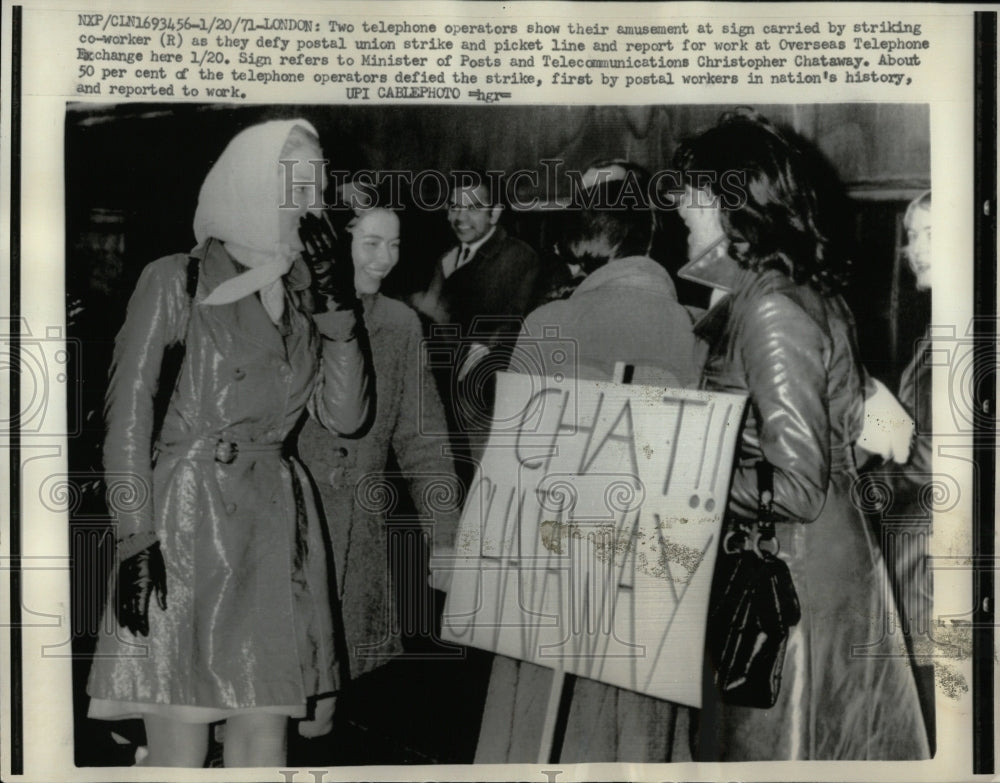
(357, 489)
(116, 223)
(374, 248)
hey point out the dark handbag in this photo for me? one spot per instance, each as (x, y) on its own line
(753, 604)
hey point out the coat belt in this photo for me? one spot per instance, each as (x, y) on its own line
(219, 449)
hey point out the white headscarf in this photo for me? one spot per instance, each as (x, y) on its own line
(238, 204)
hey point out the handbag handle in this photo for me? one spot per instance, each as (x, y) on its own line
(751, 534)
(765, 490)
(765, 504)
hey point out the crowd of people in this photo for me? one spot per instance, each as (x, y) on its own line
(255, 581)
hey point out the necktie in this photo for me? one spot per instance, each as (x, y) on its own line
(463, 256)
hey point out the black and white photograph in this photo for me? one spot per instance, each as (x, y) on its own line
(601, 436)
(264, 491)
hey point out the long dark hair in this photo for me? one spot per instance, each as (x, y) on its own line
(766, 181)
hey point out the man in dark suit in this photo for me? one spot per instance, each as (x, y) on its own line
(481, 289)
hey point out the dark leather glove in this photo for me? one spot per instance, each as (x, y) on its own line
(139, 576)
(332, 271)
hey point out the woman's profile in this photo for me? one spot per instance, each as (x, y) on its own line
(780, 332)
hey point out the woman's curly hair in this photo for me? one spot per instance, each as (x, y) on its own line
(767, 184)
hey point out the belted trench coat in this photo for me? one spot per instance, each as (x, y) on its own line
(248, 623)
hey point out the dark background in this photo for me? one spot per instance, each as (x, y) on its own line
(133, 173)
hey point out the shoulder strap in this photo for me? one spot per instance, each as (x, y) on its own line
(193, 268)
(173, 358)
(765, 498)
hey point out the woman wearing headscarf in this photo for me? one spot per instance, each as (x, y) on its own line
(221, 602)
(352, 475)
(779, 332)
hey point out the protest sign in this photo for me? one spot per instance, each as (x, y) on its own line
(589, 534)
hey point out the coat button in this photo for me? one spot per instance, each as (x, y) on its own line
(239, 373)
(230, 508)
(342, 452)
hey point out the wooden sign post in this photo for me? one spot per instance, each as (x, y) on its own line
(548, 735)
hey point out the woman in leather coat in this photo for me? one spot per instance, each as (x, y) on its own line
(779, 332)
(220, 530)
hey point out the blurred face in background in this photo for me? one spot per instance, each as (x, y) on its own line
(374, 248)
(918, 246)
(471, 214)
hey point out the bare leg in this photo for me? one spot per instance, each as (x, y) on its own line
(173, 743)
(255, 739)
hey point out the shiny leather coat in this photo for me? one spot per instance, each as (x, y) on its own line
(248, 621)
(847, 690)
(793, 351)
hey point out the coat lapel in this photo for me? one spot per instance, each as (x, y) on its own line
(715, 269)
(372, 304)
(246, 316)
(298, 306)
(713, 324)
(483, 258)
(491, 247)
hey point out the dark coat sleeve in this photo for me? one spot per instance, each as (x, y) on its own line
(782, 350)
(915, 394)
(419, 439)
(512, 291)
(343, 399)
(526, 269)
(156, 317)
(516, 280)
